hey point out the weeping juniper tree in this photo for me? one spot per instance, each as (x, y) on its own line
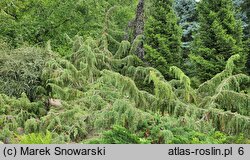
(219, 37)
(163, 36)
(97, 92)
(97, 87)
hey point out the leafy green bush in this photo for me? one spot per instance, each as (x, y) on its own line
(20, 71)
(36, 138)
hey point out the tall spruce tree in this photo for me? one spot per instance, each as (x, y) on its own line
(219, 37)
(244, 14)
(186, 11)
(163, 37)
(246, 11)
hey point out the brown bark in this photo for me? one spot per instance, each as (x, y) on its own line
(139, 27)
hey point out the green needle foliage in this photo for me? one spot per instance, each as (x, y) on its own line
(99, 91)
(95, 98)
(219, 37)
(163, 37)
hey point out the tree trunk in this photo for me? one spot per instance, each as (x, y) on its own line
(139, 27)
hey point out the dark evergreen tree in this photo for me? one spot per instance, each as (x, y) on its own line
(186, 11)
(219, 37)
(246, 8)
(246, 11)
(163, 37)
(243, 13)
